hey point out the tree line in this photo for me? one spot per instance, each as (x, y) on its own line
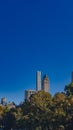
(42, 112)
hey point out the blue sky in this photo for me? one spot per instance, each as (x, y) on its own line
(35, 35)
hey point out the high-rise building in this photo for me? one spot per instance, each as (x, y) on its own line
(72, 77)
(28, 94)
(38, 81)
(45, 83)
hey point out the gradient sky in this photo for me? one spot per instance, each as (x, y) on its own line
(35, 35)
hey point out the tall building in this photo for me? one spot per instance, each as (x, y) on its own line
(45, 83)
(72, 77)
(28, 94)
(38, 81)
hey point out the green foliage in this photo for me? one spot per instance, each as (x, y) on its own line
(69, 89)
(9, 120)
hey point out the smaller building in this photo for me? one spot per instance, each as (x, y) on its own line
(3, 101)
(11, 105)
(28, 94)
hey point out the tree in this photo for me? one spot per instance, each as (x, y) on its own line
(1, 115)
(58, 116)
(9, 120)
(69, 89)
(37, 111)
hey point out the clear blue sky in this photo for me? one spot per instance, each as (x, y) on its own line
(35, 35)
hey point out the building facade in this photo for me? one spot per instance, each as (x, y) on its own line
(28, 94)
(45, 83)
(3, 101)
(38, 81)
(72, 77)
(41, 85)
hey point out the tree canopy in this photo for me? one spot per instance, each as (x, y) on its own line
(42, 112)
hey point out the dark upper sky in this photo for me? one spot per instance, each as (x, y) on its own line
(35, 35)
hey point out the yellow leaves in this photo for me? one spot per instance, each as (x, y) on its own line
(2, 110)
(41, 99)
(59, 97)
(71, 99)
(26, 117)
(60, 112)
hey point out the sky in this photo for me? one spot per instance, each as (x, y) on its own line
(35, 35)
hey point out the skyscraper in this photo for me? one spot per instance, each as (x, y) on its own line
(38, 81)
(45, 83)
(72, 77)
